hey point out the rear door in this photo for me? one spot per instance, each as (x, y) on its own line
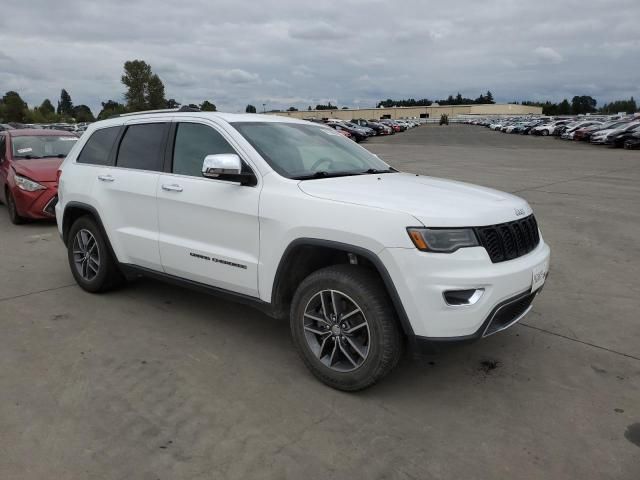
(209, 230)
(127, 193)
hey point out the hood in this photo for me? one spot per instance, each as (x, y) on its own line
(38, 169)
(433, 201)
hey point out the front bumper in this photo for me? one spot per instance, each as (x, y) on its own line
(39, 204)
(422, 278)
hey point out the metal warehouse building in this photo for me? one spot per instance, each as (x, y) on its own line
(432, 111)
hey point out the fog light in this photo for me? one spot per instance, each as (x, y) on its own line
(461, 298)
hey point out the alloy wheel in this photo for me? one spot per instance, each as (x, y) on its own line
(86, 254)
(336, 330)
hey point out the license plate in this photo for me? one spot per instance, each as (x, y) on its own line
(539, 275)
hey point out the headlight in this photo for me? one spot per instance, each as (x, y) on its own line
(28, 185)
(443, 240)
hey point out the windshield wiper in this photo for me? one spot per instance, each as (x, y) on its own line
(324, 174)
(29, 157)
(375, 170)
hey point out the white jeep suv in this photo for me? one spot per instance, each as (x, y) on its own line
(295, 219)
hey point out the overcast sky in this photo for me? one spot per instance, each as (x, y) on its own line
(298, 52)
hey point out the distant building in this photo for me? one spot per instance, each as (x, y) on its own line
(432, 111)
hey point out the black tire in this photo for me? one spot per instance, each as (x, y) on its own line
(385, 341)
(14, 216)
(108, 276)
(544, 133)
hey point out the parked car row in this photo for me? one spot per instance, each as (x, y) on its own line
(77, 128)
(616, 131)
(360, 129)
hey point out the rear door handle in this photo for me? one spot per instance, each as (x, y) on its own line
(106, 178)
(172, 188)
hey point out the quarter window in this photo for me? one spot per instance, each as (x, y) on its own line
(96, 150)
(194, 141)
(142, 147)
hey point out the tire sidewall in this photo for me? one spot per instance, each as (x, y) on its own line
(97, 282)
(372, 308)
(14, 216)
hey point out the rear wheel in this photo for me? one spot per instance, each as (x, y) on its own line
(344, 327)
(14, 216)
(91, 262)
(544, 133)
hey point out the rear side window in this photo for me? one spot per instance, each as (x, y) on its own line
(195, 141)
(142, 147)
(96, 150)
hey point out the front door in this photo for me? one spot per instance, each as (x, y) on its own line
(209, 229)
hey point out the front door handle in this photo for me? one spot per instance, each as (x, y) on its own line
(106, 178)
(172, 188)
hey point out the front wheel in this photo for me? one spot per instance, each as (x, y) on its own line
(14, 216)
(345, 328)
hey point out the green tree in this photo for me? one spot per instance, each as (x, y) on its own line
(137, 75)
(328, 106)
(489, 97)
(207, 106)
(172, 103)
(628, 106)
(293, 109)
(46, 108)
(36, 116)
(564, 107)
(82, 113)
(583, 104)
(155, 93)
(250, 109)
(15, 108)
(111, 108)
(65, 105)
(309, 108)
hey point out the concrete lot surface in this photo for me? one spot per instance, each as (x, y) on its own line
(156, 382)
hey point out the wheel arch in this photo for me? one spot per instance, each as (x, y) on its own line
(73, 211)
(309, 253)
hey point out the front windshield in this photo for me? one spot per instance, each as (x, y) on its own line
(308, 151)
(40, 146)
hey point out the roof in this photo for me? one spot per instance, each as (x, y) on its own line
(227, 117)
(38, 132)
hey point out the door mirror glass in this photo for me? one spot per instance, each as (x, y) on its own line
(222, 164)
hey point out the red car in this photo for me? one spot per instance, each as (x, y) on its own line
(29, 161)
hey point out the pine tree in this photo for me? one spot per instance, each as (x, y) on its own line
(65, 105)
(155, 93)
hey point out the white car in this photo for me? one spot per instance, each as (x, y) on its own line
(291, 217)
(548, 128)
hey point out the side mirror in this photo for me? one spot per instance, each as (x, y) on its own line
(226, 166)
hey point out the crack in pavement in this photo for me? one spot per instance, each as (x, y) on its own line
(4, 299)
(622, 354)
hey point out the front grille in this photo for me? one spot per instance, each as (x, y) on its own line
(509, 312)
(50, 207)
(510, 240)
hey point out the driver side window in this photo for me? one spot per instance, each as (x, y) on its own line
(193, 142)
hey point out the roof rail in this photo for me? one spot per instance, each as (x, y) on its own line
(144, 112)
(184, 108)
